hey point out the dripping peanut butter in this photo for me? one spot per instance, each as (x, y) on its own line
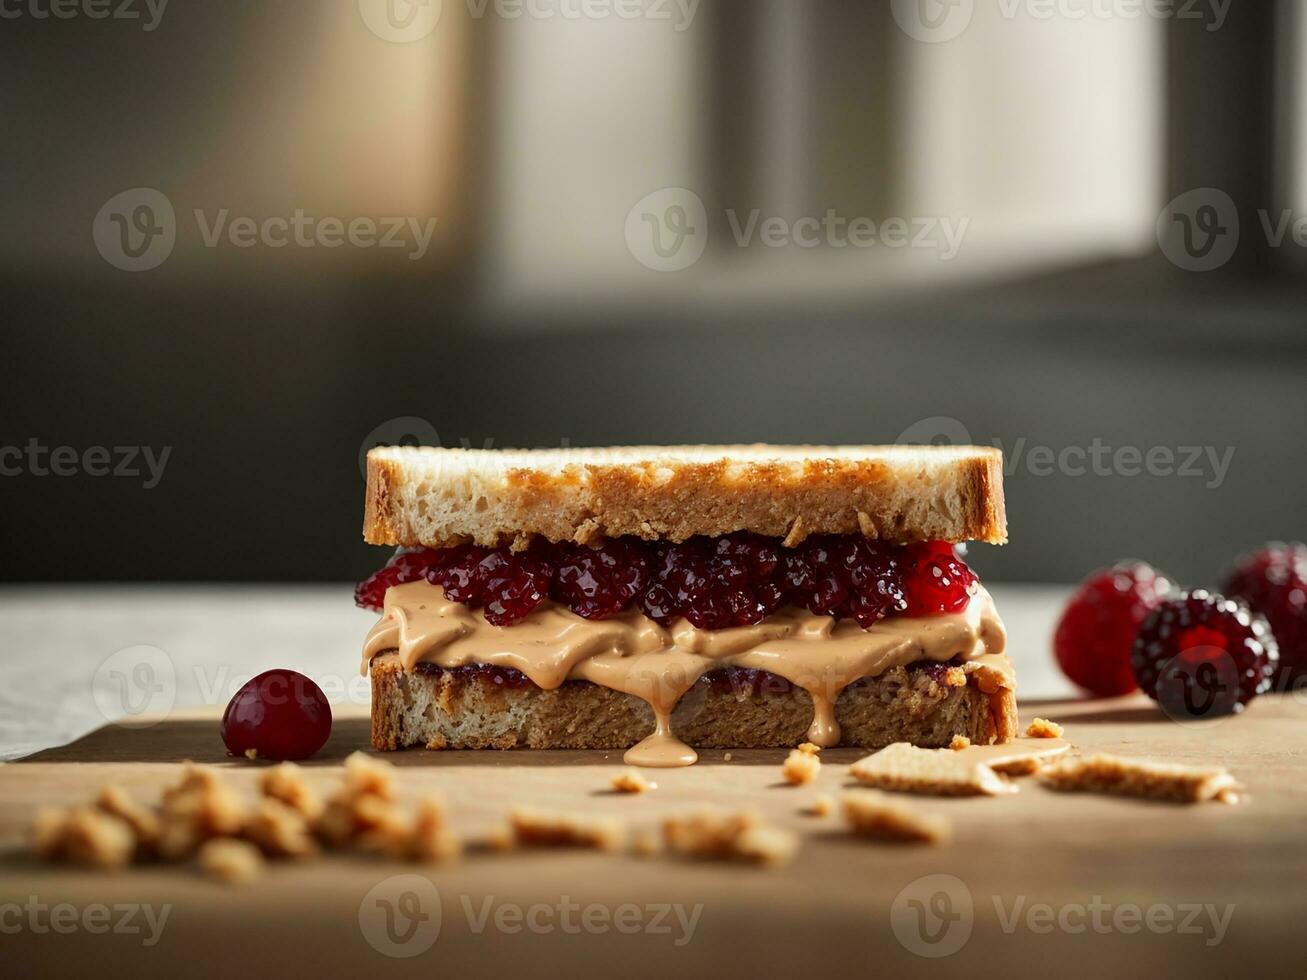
(633, 654)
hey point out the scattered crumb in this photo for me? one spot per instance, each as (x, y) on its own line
(231, 861)
(939, 772)
(114, 800)
(285, 782)
(280, 830)
(955, 677)
(738, 836)
(198, 807)
(1142, 778)
(1043, 728)
(433, 839)
(533, 827)
(363, 807)
(1026, 766)
(726, 757)
(365, 775)
(959, 743)
(822, 806)
(251, 754)
(631, 781)
(85, 835)
(500, 839)
(809, 748)
(873, 816)
(800, 767)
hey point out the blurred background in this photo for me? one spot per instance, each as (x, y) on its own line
(245, 241)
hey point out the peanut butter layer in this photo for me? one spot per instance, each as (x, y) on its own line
(633, 654)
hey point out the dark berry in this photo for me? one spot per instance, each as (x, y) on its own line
(280, 714)
(1097, 629)
(1273, 581)
(1201, 655)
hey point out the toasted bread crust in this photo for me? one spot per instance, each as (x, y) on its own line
(451, 709)
(442, 497)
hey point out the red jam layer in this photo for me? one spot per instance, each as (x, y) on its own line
(714, 583)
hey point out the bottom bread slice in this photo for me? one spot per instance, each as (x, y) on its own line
(483, 707)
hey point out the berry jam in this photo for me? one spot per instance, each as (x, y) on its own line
(714, 583)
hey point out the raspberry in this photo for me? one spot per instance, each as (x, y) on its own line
(1200, 655)
(406, 565)
(714, 583)
(1273, 581)
(1097, 629)
(936, 580)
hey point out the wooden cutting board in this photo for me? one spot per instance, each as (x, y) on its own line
(1068, 884)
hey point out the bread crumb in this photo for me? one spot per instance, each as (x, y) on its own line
(280, 830)
(726, 757)
(940, 772)
(631, 781)
(955, 677)
(231, 861)
(365, 775)
(114, 800)
(1140, 777)
(85, 835)
(821, 806)
(251, 754)
(500, 839)
(873, 816)
(800, 768)
(362, 809)
(809, 748)
(737, 836)
(433, 839)
(198, 807)
(1043, 728)
(285, 782)
(533, 827)
(959, 743)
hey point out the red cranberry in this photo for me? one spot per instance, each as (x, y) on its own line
(406, 565)
(936, 581)
(1097, 629)
(1273, 581)
(1200, 655)
(280, 714)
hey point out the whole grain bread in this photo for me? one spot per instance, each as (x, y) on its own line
(461, 709)
(440, 497)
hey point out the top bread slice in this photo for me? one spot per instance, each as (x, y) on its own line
(442, 497)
